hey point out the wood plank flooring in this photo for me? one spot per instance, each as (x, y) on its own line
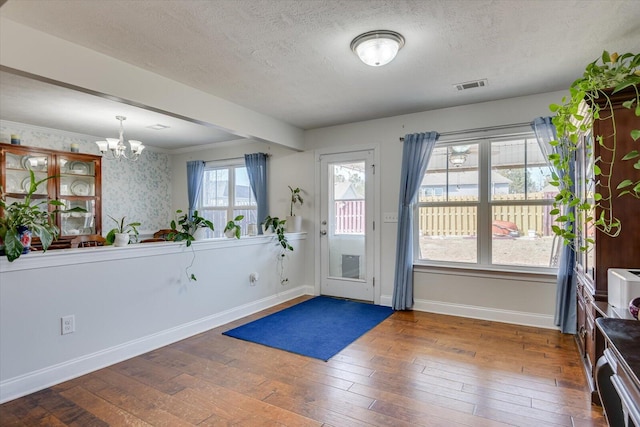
(414, 369)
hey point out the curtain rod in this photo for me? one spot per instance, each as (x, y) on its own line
(485, 129)
(231, 158)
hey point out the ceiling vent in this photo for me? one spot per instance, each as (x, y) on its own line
(471, 85)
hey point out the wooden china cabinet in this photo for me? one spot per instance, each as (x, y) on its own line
(607, 252)
(77, 183)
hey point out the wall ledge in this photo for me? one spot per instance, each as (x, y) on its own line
(61, 257)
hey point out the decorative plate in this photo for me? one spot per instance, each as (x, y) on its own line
(26, 184)
(80, 188)
(40, 163)
(79, 168)
(12, 161)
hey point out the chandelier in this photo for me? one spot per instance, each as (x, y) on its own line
(117, 147)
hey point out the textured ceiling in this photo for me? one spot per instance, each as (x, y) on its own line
(290, 59)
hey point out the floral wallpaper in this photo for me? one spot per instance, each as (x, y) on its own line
(139, 191)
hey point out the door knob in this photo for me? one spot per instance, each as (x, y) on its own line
(323, 232)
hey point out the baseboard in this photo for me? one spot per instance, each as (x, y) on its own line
(476, 312)
(37, 380)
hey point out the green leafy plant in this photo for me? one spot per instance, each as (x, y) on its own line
(121, 228)
(278, 226)
(233, 226)
(185, 228)
(590, 100)
(296, 198)
(33, 215)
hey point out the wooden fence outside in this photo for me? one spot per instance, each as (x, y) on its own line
(454, 220)
(462, 220)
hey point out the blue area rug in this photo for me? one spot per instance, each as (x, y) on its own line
(320, 327)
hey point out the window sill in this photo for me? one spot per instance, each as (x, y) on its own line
(540, 275)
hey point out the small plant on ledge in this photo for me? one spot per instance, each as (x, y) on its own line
(186, 227)
(22, 218)
(278, 226)
(121, 229)
(590, 100)
(296, 198)
(185, 230)
(233, 229)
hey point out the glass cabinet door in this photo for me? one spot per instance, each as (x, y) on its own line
(16, 176)
(77, 188)
(74, 179)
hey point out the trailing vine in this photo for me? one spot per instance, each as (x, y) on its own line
(590, 100)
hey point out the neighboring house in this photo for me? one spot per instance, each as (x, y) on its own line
(461, 183)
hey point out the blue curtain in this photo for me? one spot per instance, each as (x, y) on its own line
(565, 316)
(256, 164)
(416, 151)
(195, 174)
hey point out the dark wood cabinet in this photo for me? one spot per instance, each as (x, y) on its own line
(77, 182)
(608, 252)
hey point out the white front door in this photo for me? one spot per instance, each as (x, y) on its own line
(347, 225)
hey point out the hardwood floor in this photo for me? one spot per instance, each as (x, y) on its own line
(413, 369)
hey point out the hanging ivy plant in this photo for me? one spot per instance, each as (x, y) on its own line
(590, 100)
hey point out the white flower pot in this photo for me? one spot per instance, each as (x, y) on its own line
(230, 233)
(294, 224)
(200, 234)
(267, 231)
(121, 239)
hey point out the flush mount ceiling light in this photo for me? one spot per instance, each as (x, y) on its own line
(117, 147)
(377, 48)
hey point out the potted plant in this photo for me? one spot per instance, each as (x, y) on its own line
(277, 226)
(232, 229)
(294, 223)
(23, 218)
(120, 235)
(189, 228)
(590, 99)
(186, 229)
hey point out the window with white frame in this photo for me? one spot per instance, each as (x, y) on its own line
(486, 203)
(226, 193)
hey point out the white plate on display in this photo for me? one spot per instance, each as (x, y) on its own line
(80, 188)
(34, 163)
(79, 168)
(26, 184)
(12, 161)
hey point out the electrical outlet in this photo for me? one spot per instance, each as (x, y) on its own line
(389, 217)
(68, 324)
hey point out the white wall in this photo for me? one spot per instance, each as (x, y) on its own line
(502, 298)
(127, 301)
(285, 167)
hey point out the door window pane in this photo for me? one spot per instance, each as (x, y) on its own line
(346, 239)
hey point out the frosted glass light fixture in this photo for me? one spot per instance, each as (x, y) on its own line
(377, 48)
(118, 149)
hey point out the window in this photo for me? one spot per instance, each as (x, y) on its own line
(226, 193)
(486, 202)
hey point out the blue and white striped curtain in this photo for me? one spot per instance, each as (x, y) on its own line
(565, 315)
(256, 164)
(195, 175)
(416, 151)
